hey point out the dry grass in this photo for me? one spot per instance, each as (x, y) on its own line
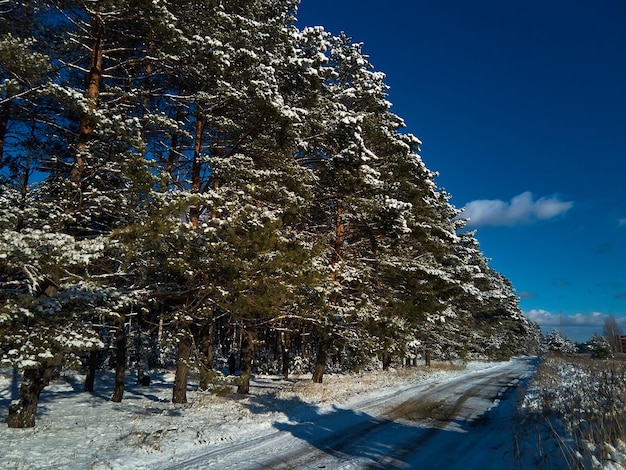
(588, 396)
(448, 366)
(340, 387)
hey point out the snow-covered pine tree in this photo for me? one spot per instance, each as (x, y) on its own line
(97, 176)
(225, 226)
(350, 102)
(47, 308)
(101, 106)
(555, 341)
(107, 174)
(500, 328)
(203, 157)
(416, 264)
(25, 67)
(599, 347)
(266, 192)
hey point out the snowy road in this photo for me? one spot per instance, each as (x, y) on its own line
(467, 422)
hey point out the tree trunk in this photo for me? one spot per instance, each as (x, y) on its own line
(208, 345)
(174, 142)
(22, 414)
(5, 111)
(94, 77)
(120, 362)
(194, 211)
(205, 354)
(179, 394)
(386, 359)
(284, 349)
(340, 237)
(320, 363)
(247, 354)
(92, 363)
(427, 356)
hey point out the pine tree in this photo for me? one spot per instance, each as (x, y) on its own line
(599, 347)
(25, 68)
(232, 176)
(96, 175)
(207, 159)
(555, 341)
(45, 312)
(347, 97)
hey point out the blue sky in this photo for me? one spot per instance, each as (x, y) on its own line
(521, 107)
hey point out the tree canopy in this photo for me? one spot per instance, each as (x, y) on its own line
(212, 175)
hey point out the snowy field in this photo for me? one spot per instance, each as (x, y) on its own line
(76, 430)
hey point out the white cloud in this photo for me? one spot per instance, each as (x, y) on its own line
(579, 328)
(592, 319)
(523, 209)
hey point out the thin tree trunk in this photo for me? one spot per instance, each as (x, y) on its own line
(205, 358)
(120, 362)
(386, 359)
(427, 356)
(5, 112)
(94, 78)
(22, 414)
(284, 349)
(171, 157)
(194, 211)
(26, 168)
(160, 329)
(340, 237)
(320, 363)
(337, 254)
(179, 394)
(92, 363)
(208, 346)
(247, 355)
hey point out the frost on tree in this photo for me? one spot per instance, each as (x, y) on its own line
(46, 310)
(170, 170)
(599, 347)
(555, 341)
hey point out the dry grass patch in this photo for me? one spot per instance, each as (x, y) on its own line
(588, 396)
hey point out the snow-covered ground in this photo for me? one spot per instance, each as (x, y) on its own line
(76, 430)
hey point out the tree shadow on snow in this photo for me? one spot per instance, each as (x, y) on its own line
(401, 439)
(104, 385)
(69, 385)
(345, 434)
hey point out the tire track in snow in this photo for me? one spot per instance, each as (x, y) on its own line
(387, 432)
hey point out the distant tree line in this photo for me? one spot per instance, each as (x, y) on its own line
(604, 346)
(185, 179)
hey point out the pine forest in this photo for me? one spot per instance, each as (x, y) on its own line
(184, 182)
